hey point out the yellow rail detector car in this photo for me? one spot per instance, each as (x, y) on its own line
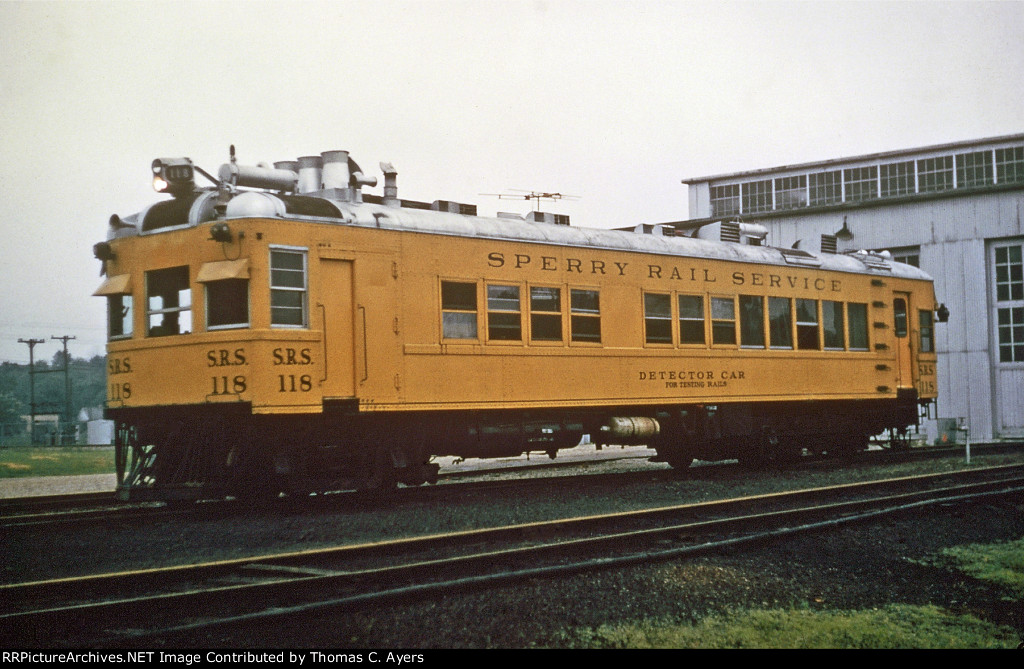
(281, 330)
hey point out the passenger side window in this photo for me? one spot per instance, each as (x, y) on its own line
(857, 315)
(723, 320)
(691, 319)
(807, 324)
(752, 321)
(458, 310)
(780, 322)
(658, 318)
(504, 320)
(545, 313)
(832, 322)
(585, 315)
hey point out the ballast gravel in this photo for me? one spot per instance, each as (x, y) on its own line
(858, 566)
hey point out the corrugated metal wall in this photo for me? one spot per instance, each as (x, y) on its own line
(953, 234)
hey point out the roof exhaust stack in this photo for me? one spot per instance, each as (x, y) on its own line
(257, 177)
(390, 185)
(335, 170)
(310, 174)
(344, 177)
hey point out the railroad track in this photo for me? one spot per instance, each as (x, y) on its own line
(88, 508)
(174, 602)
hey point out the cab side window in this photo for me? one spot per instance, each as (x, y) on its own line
(288, 288)
(168, 302)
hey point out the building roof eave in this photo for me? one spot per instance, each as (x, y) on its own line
(858, 159)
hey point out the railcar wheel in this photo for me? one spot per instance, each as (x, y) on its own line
(848, 447)
(899, 440)
(676, 453)
(376, 472)
(250, 474)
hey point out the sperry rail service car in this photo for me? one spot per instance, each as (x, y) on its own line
(281, 330)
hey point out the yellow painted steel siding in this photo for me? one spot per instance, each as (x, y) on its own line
(399, 360)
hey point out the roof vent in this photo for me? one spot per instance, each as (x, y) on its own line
(454, 207)
(871, 260)
(799, 257)
(829, 244)
(656, 229)
(547, 217)
(733, 231)
(730, 232)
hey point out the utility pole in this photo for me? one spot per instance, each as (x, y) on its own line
(67, 386)
(32, 385)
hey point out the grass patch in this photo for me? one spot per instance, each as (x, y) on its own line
(895, 626)
(57, 461)
(1001, 564)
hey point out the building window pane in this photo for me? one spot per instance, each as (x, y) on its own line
(169, 302)
(791, 192)
(752, 321)
(857, 315)
(907, 256)
(1010, 165)
(458, 310)
(585, 315)
(723, 320)
(227, 303)
(934, 174)
(725, 200)
(974, 169)
(545, 313)
(757, 196)
(1009, 274)
(807, 324)
(861, 183)
(897, 179)
(119, 316)
(691, 319)
(288, 288)
(504, 322)
(832, 322)
(658, 318)
(826, 187)
(1011, 334)
(780, 322)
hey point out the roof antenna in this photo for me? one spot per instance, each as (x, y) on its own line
(536, 196)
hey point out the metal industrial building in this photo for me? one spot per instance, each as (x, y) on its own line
(954, 210)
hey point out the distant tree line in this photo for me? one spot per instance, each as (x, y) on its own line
(88, 386)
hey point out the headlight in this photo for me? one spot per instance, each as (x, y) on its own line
(173, 175)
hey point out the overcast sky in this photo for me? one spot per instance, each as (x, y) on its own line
(614, 102)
